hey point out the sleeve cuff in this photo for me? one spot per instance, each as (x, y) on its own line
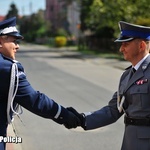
(58, 112)
(61, 115)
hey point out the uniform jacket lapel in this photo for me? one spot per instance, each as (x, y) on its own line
(138, 74)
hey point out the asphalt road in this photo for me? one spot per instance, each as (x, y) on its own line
(70, 79)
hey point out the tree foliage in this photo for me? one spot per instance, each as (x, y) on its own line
(13, 11)
(34, 27)
(31, 27)
(102, 16)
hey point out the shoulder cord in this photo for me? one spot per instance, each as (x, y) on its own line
(12, 93)
(120, 100)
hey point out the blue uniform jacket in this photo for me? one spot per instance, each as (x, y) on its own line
(26, 96)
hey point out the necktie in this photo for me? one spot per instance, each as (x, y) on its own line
(133, 70)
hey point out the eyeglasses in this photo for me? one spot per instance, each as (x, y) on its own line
(16, 41)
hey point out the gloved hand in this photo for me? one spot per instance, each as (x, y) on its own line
(72, 121)
(81, 117)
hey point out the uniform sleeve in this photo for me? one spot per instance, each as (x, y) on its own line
(37, 102)
(104, 116)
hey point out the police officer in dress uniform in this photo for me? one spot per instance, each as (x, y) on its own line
(15, 89)
(133, 96)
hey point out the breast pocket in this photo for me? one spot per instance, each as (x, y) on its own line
(140, 96)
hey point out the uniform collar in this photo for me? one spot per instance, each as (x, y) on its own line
(13, 60)
(136, 67)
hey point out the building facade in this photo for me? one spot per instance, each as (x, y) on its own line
(63, 14)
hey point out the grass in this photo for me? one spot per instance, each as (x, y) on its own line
(102, 54)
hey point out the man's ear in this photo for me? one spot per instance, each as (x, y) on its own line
(143, 45)
(0, 42)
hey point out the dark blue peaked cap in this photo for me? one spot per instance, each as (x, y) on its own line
(131, 31)
(8, 27)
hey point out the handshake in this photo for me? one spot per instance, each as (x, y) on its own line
(74, 119)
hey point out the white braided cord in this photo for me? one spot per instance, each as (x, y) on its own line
(12, 94)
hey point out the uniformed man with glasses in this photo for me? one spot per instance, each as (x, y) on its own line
(16, 91)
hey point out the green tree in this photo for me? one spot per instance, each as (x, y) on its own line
(35, 26)
(102, 16)
(13, 11)
(85, 10)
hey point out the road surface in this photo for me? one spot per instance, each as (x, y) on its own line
(70, 79)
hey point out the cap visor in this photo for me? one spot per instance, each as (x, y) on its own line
(17, 35)
(124, 39)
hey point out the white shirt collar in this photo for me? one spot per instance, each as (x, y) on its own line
(136, 67)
